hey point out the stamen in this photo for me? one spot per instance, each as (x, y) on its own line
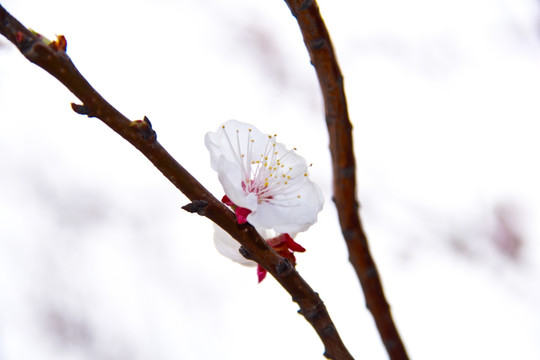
(263, 176)
(246, 175)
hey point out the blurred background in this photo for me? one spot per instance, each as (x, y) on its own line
(98, 261)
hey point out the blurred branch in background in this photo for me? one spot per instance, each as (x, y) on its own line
(324, 60)
(51, 56)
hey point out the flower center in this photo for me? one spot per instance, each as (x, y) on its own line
(265, 174)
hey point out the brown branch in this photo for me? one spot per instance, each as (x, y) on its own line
(323, 58)
(51, 57)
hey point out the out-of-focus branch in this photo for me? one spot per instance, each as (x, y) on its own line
(51, 57)
(324, 60)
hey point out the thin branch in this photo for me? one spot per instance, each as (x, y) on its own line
(51, 57)
(324, 60)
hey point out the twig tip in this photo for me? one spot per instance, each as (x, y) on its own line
(245, 253)
(80, 109)
(284, 267)
(196, 206)
(145, 128)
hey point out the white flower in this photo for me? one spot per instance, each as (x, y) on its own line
(262, 177)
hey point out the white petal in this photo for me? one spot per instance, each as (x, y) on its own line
(291, 216)
(229, 247)
(230, 176)
(233, 139)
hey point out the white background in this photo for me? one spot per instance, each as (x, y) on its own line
(98, 261)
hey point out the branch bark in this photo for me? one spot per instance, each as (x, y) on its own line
(51, 56)
(323, 58)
